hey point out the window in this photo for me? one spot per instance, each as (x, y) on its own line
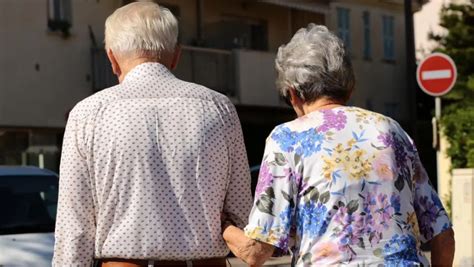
(28, 202)
(343, 26)
(301, 18)
(388, 38)
(59, 16)
(367, 45)
(235, 32)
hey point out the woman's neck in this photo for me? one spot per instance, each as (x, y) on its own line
(320, 104)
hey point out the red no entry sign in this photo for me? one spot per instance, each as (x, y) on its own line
(436, 74)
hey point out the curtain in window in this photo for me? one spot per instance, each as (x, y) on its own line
(367, 44)
(388, 37)
(343, 28)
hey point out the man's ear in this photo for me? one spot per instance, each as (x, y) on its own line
(113, 61)
(176, 57)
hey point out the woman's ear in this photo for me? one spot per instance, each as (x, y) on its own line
(296, 102)
(294, 98)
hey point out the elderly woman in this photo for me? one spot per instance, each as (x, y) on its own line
(338, 185)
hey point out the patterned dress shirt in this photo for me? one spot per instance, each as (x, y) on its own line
(350, 185)
(147, 168)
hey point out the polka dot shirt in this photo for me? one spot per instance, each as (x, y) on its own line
(147, 167)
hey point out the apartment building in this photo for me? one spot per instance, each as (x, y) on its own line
(51, 57)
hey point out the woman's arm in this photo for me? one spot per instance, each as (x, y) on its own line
(254, 253)
(442, 249)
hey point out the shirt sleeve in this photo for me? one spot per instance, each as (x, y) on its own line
(272, 215)
(238, 200)
(75, 221)
(431, 215)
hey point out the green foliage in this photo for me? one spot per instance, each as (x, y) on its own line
(448, 200)
(458, 115)
(458, 124)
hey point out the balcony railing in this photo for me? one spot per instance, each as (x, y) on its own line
(102, 75)
(245, 76)
(213, 68)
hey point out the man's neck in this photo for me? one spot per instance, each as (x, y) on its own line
(130, 64)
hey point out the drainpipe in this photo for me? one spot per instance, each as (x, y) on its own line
(199, 7)
(410, 65)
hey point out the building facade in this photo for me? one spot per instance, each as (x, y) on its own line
(51, 57)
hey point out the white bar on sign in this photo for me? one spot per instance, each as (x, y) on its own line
(436, 74)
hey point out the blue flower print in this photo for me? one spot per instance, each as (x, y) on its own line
(303, 143)
(309, 142)
(436, 201)
(401, 250)
(285, 138)
(395, 202)
(312, 219)
(285, 219)
(446, 226)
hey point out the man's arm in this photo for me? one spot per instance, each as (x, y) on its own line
(253, 252)
(238, 200)
(442, 249)
(75, 221)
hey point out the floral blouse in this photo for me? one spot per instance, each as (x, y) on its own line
(345, 186)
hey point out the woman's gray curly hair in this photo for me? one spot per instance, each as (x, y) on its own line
(316, 64)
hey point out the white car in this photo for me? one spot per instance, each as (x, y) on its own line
(28, 202)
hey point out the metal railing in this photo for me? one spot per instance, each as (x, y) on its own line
(102, 75)
(213, 68)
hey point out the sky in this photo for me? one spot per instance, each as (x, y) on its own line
(427, 20)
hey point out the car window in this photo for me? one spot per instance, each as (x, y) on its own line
(28, 204)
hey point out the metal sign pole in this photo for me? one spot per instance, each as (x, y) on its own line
(438, 108)
(435, 123)
(437, 139)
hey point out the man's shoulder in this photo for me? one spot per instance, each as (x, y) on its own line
(201, 91)
(93, 102)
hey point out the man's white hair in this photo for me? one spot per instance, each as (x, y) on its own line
(141, 29)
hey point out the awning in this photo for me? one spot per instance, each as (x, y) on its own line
(305, 5)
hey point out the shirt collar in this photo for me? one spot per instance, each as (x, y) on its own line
(147, 69)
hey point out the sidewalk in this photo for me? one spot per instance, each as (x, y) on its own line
(277, 262)
(282, 261)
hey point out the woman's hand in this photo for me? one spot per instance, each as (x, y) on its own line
(252, 252)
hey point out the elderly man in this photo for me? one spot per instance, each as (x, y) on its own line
(150, 165)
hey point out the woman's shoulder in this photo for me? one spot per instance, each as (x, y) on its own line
(366, 115)
(336, 123)
(337, 119)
